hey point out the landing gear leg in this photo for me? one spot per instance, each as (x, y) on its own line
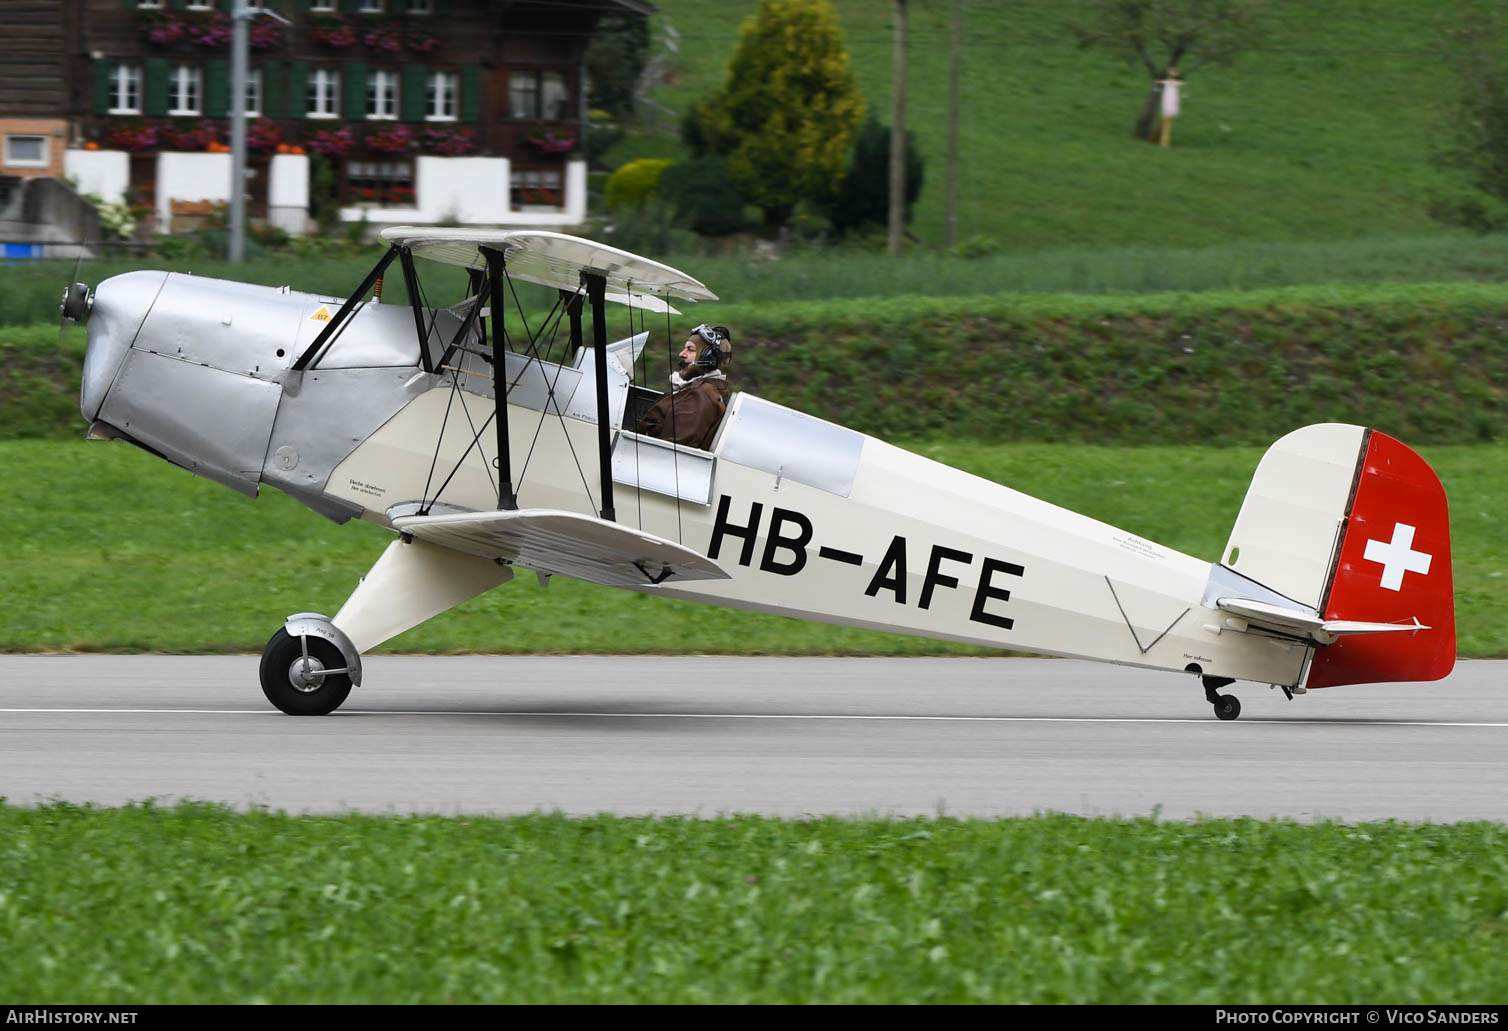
(1227, 706)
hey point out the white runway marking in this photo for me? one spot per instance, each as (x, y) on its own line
(891, 717)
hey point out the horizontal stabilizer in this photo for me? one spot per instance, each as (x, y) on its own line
(578, 546)
(1308, 623)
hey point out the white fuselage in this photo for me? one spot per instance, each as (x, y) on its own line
(913, 546)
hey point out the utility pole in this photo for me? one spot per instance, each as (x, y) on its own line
(240, 18)
(955, 60)
(898, 133)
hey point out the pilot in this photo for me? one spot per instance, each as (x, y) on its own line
(689, 414)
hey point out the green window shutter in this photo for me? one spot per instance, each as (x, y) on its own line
(155, 92)
(471, 94)
(178, 4)
(350, 6)
(301, 6)
(226, 5)
(130, 5)
(442, 8)
(101, 69)
(411, 102)
(298, 90)
(354, 91)
(217, 88)
(272, 90)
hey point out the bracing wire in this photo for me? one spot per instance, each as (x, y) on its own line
(455, 385)
(675, 452)
(638, 479)
(550, 400)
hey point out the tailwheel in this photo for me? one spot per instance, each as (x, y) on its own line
(304, 675)
(1227, 706)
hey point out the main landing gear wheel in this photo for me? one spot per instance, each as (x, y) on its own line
(304, 676)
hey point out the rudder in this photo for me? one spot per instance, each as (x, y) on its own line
(1393, 565)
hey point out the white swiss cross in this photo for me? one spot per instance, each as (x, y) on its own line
(1397, 556)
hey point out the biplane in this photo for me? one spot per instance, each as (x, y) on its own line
(488, 446)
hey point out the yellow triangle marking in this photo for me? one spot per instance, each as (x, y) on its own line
(323, 315)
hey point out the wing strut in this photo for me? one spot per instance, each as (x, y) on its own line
(497, 265)
(346, 309)
(596, 289)
(411, 282)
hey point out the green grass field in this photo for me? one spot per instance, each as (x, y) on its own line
(1322, 134)
(113, 550)
(198, 904)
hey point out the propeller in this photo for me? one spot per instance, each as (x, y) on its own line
(77, 300)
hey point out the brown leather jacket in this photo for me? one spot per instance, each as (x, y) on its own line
(690, 415)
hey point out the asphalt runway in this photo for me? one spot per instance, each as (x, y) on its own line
(707, 736)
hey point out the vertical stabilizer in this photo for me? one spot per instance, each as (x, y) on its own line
(1290, 524)
(1352, 526)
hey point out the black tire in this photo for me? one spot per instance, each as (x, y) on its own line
(277, 658)
(1228, 707)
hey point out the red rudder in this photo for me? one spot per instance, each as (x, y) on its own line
(1393, 566)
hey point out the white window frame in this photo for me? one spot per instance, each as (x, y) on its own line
(185, 78)
(254, 92)
(442, 97)
(200, 5)
(322, 6)
(324, 83)
(125, 84)
(370, 7)
(145, 5)
(43, 162)
(382, 95)
(421, 6)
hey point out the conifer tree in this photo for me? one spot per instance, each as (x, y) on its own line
(786, 118)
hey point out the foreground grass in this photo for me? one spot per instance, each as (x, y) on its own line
(112, 550)
(198, 904)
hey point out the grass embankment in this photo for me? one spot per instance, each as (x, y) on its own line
(29, 291)
(111, 549)
(197, 904)
(1425, 363)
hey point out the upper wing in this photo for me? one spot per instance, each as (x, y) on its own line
(552, 259)
(578, 546)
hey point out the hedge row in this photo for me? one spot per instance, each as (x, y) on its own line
(1426, 363)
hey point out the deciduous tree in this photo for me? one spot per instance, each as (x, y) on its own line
(1159, 34)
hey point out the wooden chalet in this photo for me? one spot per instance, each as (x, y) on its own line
(372, 86)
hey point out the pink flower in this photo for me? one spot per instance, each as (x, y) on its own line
(265, 35)
(552, 142)
(392, 140)
(449, 142)
(334, 34)
(332, 142)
